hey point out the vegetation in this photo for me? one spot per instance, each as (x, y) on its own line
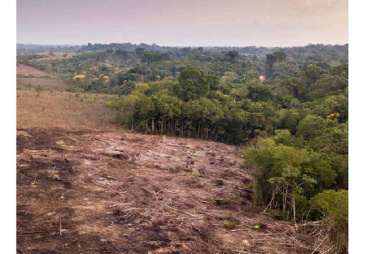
(229, 225)
(294, 119)
(334, 206)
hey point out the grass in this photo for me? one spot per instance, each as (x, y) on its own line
(64, 110)
(28, 70)
(218, 202)
(45, 83)
(43, 103)
(229, 225)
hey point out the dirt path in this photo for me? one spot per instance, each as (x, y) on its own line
(116, 192)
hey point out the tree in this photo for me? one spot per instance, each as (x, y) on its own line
(232, 55)
(312, 126)
(280, 173)
(192, 84)
(328, 85)
(147, 57)
(286, 138)
(139, 52)
(334, 207)
(259, 91)
(214, 82)
(271, 59)
(333, 107)
(313, 73)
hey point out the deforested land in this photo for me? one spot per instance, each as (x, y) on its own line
(125, 148)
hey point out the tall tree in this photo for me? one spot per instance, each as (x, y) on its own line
(192, 84)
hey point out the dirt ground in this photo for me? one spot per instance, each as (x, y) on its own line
(23, 69)
(117, 192)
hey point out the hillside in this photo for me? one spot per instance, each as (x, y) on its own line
(116, 192)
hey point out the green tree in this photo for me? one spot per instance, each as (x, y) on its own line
(279, 172)
(139, 52)
(328, 85)
(192, 84)
(313, 73)
(334, 207)
(313, 126)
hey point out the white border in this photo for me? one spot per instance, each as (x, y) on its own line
(359, 96)
(8, 127)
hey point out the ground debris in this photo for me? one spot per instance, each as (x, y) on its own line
(117, 192)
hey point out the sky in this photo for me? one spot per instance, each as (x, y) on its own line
(267, 23)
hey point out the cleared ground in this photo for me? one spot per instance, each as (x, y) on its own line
(116, 192)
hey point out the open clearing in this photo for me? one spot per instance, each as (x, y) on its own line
(116, 192)
(23, 69)
(31, 78)
(40, 83)
(64, 110)
(42, 102)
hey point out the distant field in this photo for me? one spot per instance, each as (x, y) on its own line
(63, 110)
(56, 55)
(44, 83)
(53, 107)
(27, 70)
(30, 78)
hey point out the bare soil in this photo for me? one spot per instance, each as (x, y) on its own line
(117, 192)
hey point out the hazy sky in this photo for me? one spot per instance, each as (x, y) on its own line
(183, 22)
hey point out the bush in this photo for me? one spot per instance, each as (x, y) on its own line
(229, 225)
(334, 206)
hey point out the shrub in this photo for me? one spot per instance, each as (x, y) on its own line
(334, 206)
(229, 224)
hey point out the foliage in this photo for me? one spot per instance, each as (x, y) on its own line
(192, 84)
(287, 176)
(334, 206)
(229, 225)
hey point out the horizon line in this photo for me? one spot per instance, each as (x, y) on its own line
(182, 46)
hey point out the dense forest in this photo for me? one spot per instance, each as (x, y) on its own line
(288, 106)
